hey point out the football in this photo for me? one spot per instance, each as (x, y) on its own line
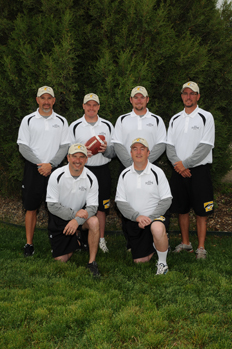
(94, 143)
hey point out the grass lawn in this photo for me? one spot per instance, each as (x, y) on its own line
(47, 304)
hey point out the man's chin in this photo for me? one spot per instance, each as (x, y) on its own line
(47, 110)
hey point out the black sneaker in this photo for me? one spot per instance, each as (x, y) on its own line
(93, 267)
(28, 250)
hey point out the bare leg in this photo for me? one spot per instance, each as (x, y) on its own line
(92, 224)
(184, 227)
(30, 222)
(144, 259)
(159, 236)
(201, 230)
(64, 258)
(102, 222)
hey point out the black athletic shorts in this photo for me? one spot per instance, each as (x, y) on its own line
(104, 182)
(61, 244)
(34, 187)
(195, 192)
(140, 240)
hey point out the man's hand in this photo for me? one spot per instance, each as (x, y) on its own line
(89, 153)
(82, 214)
(103, 147)
(71, 227)
(179, 168)
(45, 169)
(143, 221)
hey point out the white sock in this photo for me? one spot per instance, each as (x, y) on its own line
(162, 257)
(102, 239)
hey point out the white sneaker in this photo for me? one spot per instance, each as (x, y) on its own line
(102, 246)
(161, 269)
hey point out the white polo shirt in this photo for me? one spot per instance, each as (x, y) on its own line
(43, 135)
(80, 131)
(130, 126)
(186, 131)
(72, 192)
(143, 191)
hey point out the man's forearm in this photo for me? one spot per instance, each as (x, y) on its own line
(199, 154)
(161, 208)
(92, 210)
(127, 211)
(60, 155)
(171, 154)
(156, 152)
(28, 154)
(123, 155)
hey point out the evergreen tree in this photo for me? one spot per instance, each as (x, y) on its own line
(108, 47)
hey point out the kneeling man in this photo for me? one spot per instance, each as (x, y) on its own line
(143, 196)
(72, 199)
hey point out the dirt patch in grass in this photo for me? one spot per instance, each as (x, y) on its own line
(11, 210)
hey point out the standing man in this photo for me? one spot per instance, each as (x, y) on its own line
(190, 142)
(143, 196)
(72, 199)
(43, 142)
(140, 122)
(81, 131)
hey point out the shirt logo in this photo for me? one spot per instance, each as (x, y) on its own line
(161, 219)
(82, 188)
(195, 128)
(149, 183)
(56, 126)
(208, 206)
(106, 204)
(150, 125)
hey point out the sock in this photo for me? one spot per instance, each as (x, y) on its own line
(102, 239)
(162, 256)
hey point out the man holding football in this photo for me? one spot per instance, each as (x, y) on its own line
(81, 131)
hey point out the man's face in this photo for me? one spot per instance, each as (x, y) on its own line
(139, 103)
(190, 98)
(139, 154)
(77, 162)
(91, 109)
(46, 102)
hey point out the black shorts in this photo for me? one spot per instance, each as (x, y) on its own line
(34, 187)
(104, 181)
(140, 240)
(195, 192)
(61, 244)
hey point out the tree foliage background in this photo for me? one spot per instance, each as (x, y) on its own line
(108, 47)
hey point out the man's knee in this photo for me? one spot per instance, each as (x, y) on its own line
(93, 223)
(158, 230)
(64, 258)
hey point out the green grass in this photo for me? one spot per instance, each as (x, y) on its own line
(47, 304)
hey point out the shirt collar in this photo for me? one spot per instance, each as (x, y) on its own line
(191, 115)
(145, 171)
(38, 115)
(86, 123)
(147, 115)
(68, 174)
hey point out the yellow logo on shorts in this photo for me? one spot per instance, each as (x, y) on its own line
(106, 203)
(161, 218)
(208, 206)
